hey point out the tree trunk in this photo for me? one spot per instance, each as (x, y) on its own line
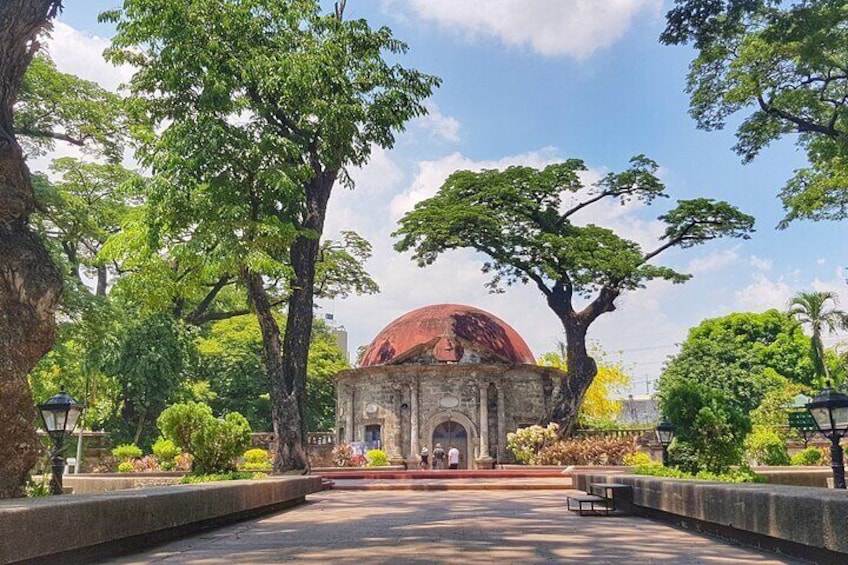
(581, 370)
(30, 285)
(298, 334)
(286, 414)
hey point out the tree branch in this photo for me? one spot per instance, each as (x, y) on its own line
(51, 135)
(804, 126)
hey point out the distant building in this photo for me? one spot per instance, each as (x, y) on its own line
(447, 374)
(641, 409)
(339, 332)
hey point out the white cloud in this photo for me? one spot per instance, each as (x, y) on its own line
(431, 175)
(763, 294)
(760, 263)
(574, 28)
(821, 261)
(439, 125)
(80, 54)
(713, 261)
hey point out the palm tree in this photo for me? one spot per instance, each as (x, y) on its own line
(819, 311)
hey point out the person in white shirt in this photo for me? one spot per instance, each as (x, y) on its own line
(453, 458)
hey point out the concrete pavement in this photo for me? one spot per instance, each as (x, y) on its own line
(467, 527)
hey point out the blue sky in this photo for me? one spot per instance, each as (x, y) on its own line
(531, 82)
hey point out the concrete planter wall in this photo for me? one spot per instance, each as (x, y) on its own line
(84, 527)
(806, 521)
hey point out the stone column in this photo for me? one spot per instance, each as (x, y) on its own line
(484, 420)
(351, 405)
(413, 419)
(501, 420)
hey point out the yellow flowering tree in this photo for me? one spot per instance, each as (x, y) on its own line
(598, 406)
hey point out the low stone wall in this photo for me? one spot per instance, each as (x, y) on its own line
(797, 476)
(107, 482)
(809, 522)
(78, 529)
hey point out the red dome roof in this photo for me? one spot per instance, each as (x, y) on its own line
(446, 330)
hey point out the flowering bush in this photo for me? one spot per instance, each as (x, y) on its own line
(256, 460)
(588, 451)
(376, 458)
(146, 464)
(638, 459)
(527, 443)
(342, 455)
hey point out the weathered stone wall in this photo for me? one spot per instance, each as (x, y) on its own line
(397, 397)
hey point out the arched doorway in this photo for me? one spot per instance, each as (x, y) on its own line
(450, 434)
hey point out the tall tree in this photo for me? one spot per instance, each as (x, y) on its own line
(30, 284)
(724, 370)
(820, 312)
(786, 65)
(522, 219)
(258, 120)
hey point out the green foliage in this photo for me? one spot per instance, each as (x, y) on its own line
(740, 475)
(196, 478)
(37, 489)
(166, 452)
(181, 422)
(256, 460)
(521, 219)
(527, 443)
(808, 457)
(783, 64)
(127, 452)
(55, 106)
(126, 467)
(230, 360)
(149, 365)
(587, 451)
(725, 369)
(819, 311)
(710, 430)
(257, 456)
(638, 459)
(376, 458)
(219, 442)
(766, 446)
(213, 443)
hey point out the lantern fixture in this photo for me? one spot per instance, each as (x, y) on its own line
(60, 415)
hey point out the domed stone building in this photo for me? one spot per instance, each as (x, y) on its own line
(448, 374)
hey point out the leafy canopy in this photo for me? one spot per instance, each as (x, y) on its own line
(784, 64)
(521, 218)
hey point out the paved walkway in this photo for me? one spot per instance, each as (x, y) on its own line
(468, 528)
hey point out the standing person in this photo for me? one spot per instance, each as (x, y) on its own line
(453, 458)
(438, 457)
(425, 458)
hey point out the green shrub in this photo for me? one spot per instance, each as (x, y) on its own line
(638, 459)
(376, 458)
(180, 422)
(256, 460)
(528, 443)
(741, 475)
(257, 456)
(166, 451)
(810, 456)
(587, 451)
(125, 467)
(213, 443)
(766, 447)
(195, 478)
(127, 452)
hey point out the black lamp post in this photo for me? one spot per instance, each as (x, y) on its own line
(60, 415)
(829, 410)
(665, 433)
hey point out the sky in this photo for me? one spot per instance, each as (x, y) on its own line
(533, 82)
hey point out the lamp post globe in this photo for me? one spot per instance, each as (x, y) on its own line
(60, 415)
(829, 410)
(665, 434)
